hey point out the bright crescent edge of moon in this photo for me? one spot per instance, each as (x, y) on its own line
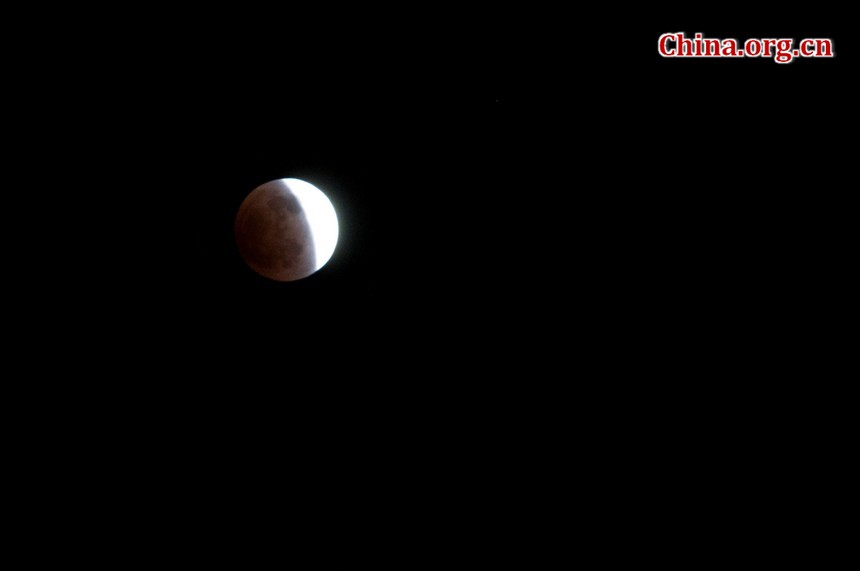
(321, 217)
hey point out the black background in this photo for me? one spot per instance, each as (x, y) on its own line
(557, 249)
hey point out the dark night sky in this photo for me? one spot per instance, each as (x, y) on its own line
(490, 181)
(528, 233)
(499, 166)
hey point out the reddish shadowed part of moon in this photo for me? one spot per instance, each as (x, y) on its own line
(286, 229)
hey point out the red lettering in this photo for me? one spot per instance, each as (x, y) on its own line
(661, 45)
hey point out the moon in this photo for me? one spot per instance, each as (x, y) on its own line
(286, 229)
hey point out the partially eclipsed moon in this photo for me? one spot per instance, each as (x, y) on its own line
(286, 229)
